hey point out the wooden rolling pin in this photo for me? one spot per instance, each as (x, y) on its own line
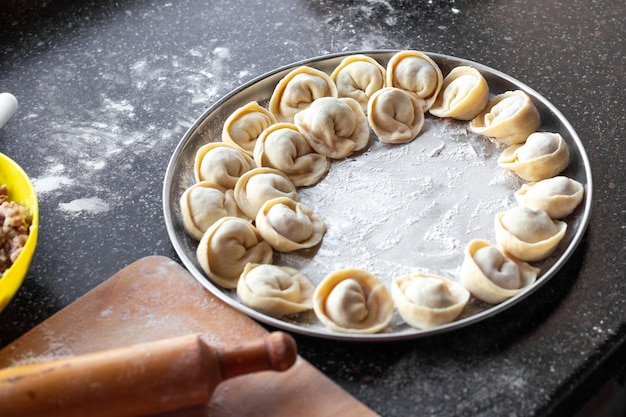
(137, 380)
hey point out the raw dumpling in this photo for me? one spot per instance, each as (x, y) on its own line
(334, 127)
(221, 164)
(557, 196)
(259, 185)
(203, 204)
(275, 290)
(464, 94)
(527, 234)
(425, 301)
(353, 301)
(282, 147)
(227, 246)
(543, 156)
(416, 73)
(358, 77)
(289, 225)
(491, 276)
(244, 125)
(297, 90)
(395, 115)
(509, 118)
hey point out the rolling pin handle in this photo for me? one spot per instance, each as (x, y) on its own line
(277, 352)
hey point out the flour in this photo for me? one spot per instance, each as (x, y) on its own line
(91, 205)
(406, 207)
(48, 184)
(101, 144)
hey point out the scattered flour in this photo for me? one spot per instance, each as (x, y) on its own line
(48, 184)
(91, 205)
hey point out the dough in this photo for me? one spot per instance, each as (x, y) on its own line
(395, 115)
(297, 90)
(543, 156)
(288, 225)
(259, 185)
(203, 204)
(358, 77)
(283, 147)
(416, 73)
(221, 164)
(227, 246)
(491, 275)
(334, 127)
(527, 234)
(243, 127)
(464, 94)
(508, 119)
(425, 301)
(275, 290)
(557, 196)
(353, 301)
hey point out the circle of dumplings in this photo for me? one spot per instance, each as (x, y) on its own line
(314, 118)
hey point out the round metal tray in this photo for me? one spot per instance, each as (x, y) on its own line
(391, 209)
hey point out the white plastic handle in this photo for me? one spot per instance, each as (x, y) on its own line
(8, 105)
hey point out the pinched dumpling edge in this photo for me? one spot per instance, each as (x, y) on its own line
(363, 94)
(538, 168)
(276, 305)
(481, 286)
(247, 163)
(379, 302)
(317, 168)
(558, 206)
(398, 131)
(238, 114)
(527, 251)
(513, 129)
(262, 252)
(280, 242)
(425, 317)
(330, 143)
(465, 107)
(276, 99)
(251, 208)
(426, 100)
(190, 224)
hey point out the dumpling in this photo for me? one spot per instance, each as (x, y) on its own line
(527, 234)
(353, 301)
(259, 185)
(509, 118)
(543, 156)
(395, 115)
(358, 77)
(491, 276)
(243, 127)
(289, 225)
(416, 73)
(557, 196)
(227, 246)
(425, 301)
(298, 89)
(282, 147)
(221, 164)
(203, 204)
(275, 290)
(334, 127)
(464, 94)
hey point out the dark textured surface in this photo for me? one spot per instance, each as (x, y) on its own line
(107, 89)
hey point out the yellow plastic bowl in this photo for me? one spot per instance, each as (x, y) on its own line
(21, 190)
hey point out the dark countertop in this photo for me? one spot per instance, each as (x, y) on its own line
(107, 90)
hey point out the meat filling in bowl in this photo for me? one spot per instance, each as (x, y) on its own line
(15, 221)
